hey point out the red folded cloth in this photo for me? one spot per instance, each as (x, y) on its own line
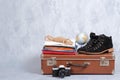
(58, 52)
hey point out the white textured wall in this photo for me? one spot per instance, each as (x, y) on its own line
(24, 23)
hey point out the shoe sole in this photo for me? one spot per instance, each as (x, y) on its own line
(102, 52)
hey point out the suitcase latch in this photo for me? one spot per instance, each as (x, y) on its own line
(104, 61)
(51, 61)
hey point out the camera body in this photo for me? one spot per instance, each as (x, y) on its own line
(61, 71)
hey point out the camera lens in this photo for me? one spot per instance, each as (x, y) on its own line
(61, 73)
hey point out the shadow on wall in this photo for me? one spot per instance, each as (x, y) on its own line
(33, 65)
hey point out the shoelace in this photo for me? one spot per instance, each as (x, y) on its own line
(99, 43)
(90, 43)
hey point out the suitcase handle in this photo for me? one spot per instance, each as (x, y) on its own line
(84, 65)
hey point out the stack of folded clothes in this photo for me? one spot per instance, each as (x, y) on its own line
(58, 48)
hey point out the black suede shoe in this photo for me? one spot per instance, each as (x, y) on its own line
(97, 45)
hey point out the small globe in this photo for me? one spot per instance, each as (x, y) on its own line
(81, 38)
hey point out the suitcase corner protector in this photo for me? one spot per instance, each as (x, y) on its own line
(41, 72)
(113, 56)
(113, 72)
(41, 56)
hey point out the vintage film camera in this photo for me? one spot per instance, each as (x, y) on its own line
(61, 71)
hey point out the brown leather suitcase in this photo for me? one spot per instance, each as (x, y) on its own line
(80, 63)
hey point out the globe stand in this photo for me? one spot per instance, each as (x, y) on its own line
(77, 45)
